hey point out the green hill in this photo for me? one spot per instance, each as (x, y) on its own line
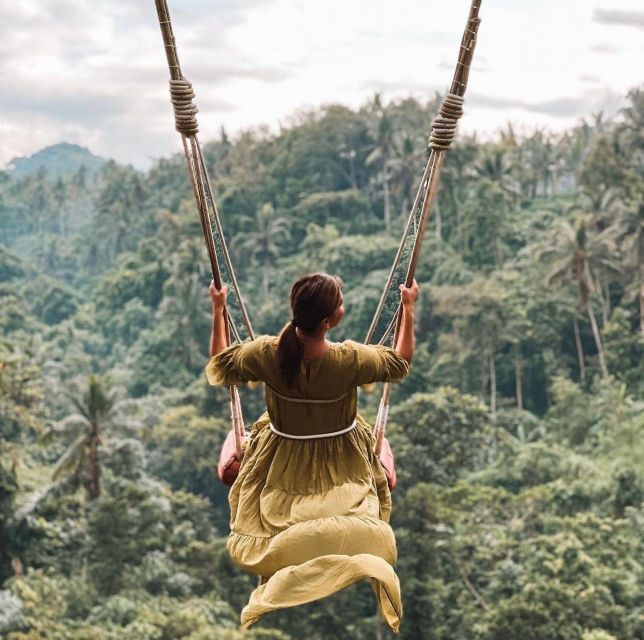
(58, 160)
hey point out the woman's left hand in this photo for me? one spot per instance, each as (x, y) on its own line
(218, 296)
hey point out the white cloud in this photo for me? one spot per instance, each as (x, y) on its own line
(95, 73)
(627, 18)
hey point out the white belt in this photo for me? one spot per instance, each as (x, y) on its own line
(314, 435)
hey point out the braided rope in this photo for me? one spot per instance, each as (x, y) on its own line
(185, 110)
(444, 125)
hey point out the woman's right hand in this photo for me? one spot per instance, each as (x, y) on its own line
(408, 295)
(218, 296)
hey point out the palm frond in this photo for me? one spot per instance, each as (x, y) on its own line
(70, 458)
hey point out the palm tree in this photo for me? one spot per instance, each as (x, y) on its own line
(496, 164)
(349, 154)
(518, 165)
(486, 218)
(575, 147)
(576, 254)
(543, 159)
(262, 239)
(608, 208)
(381, 152)
(121, 213)
(37, 197)
(632, 234)
(182, 302)
(60, 200)
(47, 252)
(457, 176)
(631, 128)
(80, 461)
(406, 167)
(480, 315)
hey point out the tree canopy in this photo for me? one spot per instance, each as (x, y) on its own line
(517, 434)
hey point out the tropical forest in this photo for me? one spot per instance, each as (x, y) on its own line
(518, 433)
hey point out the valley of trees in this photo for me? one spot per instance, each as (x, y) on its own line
(518, 432)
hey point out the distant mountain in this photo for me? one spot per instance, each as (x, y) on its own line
(58, 160)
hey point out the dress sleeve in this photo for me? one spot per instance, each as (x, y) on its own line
(236, 364)
(378, 363)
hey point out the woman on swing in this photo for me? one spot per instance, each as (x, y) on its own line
(309, 510)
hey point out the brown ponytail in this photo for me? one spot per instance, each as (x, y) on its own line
(314, 297)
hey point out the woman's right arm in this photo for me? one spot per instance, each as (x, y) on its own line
(405, 343)
(218, 331)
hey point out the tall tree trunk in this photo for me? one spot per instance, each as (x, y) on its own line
(460, 225)
(640, 268)
(598, 340)
(385, 186)
(518, 385)
(642, 305)
(580, 351)
(404, 209)
(94, 471)
(439, 220)
(603, 302)
(62, 222)
(352, 170)
(492, 383)
(266, 265)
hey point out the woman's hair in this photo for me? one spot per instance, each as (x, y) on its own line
(314, 297)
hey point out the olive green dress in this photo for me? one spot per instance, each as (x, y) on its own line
(310, 516)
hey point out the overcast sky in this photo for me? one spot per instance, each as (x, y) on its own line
(94, 72)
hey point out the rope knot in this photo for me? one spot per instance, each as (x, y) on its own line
(444, 125)
(185, 110)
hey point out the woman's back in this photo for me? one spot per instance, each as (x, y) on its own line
(333, 376)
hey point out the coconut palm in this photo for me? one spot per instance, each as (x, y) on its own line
(382, 132)
(481, 315)
(80, 460)
(518, 162)
(457, 177)
(496, 164)
(262, 240)
(600, 214)
(631, 128)
(632, 235)
(544, 160)
(182, 303)
(575, 254)
(405, 167)
(574, 146)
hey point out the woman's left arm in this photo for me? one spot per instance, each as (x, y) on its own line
(218, 332)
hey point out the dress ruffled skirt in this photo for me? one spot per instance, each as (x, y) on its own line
(311, 517)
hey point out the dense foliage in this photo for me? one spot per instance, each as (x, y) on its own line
(518, 432)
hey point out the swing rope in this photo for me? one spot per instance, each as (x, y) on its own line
(442, 134)
(182, 96)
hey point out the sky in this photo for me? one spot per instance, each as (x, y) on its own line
(95, 74)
